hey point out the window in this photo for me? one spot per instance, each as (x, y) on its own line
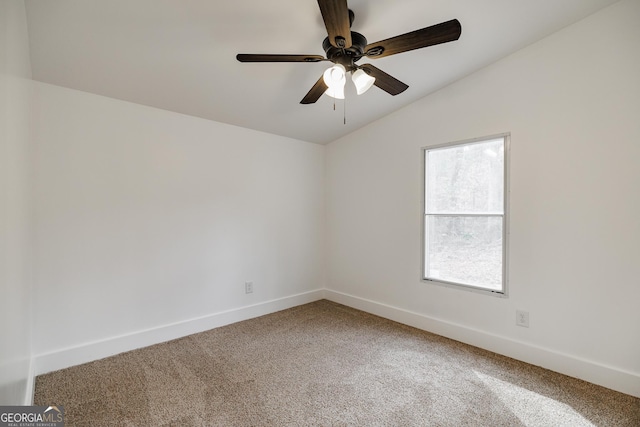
(465, 215)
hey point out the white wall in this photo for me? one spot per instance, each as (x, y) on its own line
(572, 105)
(15, 289)
(147, 219)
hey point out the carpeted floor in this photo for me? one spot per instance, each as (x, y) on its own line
(324, 364)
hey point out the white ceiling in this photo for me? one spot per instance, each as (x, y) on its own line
(179, 55)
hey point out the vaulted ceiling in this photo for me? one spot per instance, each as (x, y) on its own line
(179, 55)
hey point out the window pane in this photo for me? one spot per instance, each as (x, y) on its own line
(466, 250)
(466, 178)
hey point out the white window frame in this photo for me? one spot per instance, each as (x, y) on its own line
(505, 217)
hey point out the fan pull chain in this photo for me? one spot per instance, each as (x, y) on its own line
(344, 111)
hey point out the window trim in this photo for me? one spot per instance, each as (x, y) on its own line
(505, 214)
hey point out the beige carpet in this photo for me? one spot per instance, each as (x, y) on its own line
(323, 364)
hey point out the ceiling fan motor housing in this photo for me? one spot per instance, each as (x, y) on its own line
(346, 56)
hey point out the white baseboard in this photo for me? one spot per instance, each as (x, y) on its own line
(593, 372)
(96, 350)
(606, 376)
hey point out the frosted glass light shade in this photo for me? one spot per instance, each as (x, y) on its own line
(335, 78)
(335, 92)
(362, 81)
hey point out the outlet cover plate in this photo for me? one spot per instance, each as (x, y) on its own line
(522, 318)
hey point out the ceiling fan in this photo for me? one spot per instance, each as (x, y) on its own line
(344, 48)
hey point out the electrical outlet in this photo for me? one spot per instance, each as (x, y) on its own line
(248, 287)
(522, 318)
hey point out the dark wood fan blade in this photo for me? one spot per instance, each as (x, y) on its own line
(435, 34)
(316, 92)
(335, 15)
(384, 81)
(249, 57)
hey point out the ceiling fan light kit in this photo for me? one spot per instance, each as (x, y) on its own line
(344, 48)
